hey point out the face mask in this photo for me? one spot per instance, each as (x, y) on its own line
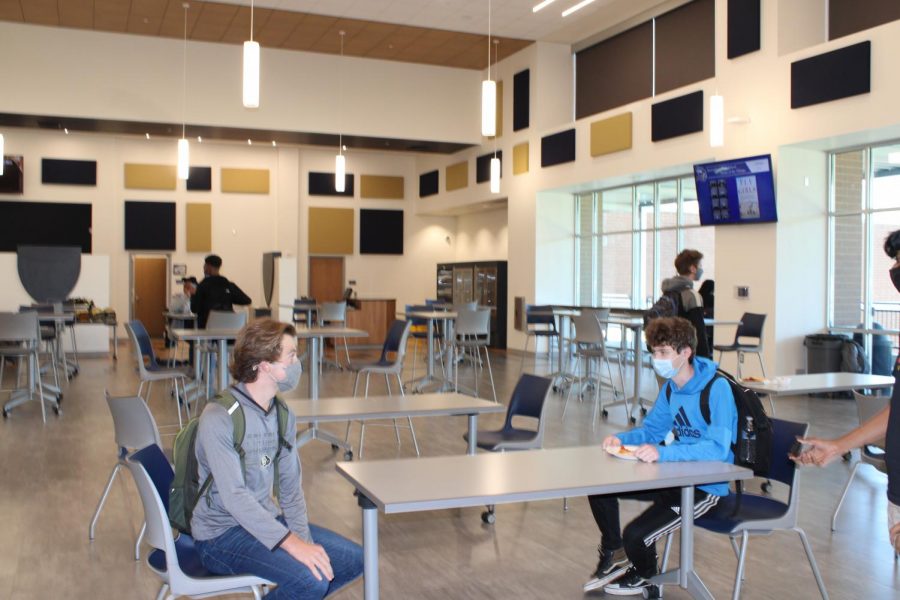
(665, 368)
(895, 277)
(699, 274)
(291, 377)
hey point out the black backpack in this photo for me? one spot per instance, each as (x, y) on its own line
(748, 405)
(669, 304)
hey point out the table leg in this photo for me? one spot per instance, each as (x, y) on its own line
(430, 370)
(314, 368)
(223, 364)
(370, 547)
(473, 433)
(687, 577)
(638, 366)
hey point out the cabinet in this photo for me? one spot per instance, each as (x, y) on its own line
(482, 282)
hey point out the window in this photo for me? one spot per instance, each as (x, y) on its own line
(864, 207)
(627, 239)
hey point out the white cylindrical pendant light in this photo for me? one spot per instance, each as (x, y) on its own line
(495, 175)
(251, 74)
(488, 108)
(2, 159)
(716, 121)
(184, 158)
(340, 173)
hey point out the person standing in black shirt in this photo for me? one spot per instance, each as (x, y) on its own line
(215, 292)
(885, 425)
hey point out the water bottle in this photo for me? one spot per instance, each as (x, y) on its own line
(747, 445)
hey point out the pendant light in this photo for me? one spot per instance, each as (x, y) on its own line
(716, 121)
(2, 158)
(251, 68)
(184, 151)
(495, 162)
(340, 166)
(489, 93)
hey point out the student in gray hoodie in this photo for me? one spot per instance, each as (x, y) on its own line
(689, 266)
(237, 527)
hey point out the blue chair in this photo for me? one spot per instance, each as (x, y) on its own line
(528, 400)
(743, 515)
(176, 561)
(539, 326)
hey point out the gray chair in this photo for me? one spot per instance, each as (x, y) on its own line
(20, 335)
(751, 326)
(528, 400)
(334, 313)
(472, 333)
(590, 348)
(149, 370)
(870, 454)
(135, 428)
(540, 326)
(176, 561)
(220, 319)
(395, 344)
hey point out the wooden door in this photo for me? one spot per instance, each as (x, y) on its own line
(326, 278)
(149, 294)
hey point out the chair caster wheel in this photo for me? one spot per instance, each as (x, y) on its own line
(488, 517)
(847, 456)
(60, 399)
(633, 420)
(651, 591)
(643, 411)
(57, 411)
(5, 414)
(334, 446)
(555, 388)
(604, 413)
(348, 455)
(766, 487)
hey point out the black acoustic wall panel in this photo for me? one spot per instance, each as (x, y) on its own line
(428, 184)
(837, 74)
(68, 172)
(322, 184)
(149, 225)
(380, 231)
(12, 180)
(521, 100)
(483, 166)
(676, 117)
(199, 179)
(744, 20)
(558, 148)
(44, 224)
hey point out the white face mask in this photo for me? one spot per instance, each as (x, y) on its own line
(292, 374)
(666, 368)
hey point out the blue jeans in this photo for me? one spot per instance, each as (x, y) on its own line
(236, 552)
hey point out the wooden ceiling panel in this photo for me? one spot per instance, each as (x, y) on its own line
(172, 24)
(309, 32)
(77, 13)
(40, 12)
(214, 21)
(146, 16)
(111, 15)
(11, 10)
(239, 30)
(278, 28)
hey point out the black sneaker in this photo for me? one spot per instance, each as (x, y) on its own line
(630, 584)
(612, 564)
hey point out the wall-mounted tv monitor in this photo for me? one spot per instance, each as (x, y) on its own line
(736, 191)
(13, 175)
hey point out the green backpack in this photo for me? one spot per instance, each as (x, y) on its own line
(186, 489)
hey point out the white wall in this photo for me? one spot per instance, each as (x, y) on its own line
(71, 72)
(482, 236)
(555, 249)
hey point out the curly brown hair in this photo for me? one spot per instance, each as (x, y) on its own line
(672, 331)
(687, 259)
(259, 341)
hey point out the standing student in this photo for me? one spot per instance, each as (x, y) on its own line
(689, 269)
(215, 292)
(628, 559)
(885, 425)
(237, 527)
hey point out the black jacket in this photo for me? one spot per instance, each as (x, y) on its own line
(216, 293)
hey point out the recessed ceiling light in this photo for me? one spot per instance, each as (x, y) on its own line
(249, 142)
(199, 139)
(578, 6)
(66, 130)
(543, 4)
(147, 135)
(273, 143)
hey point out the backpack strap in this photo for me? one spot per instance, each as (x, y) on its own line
(282, 412)
(227, 401)
(704, 397)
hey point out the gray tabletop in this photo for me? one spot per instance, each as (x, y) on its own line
(408, 485)
(330, 331)
(389, 407)
(205, 334)
(821, 382)
(435, 314)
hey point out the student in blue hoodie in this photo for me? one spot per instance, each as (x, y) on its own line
(674, 430)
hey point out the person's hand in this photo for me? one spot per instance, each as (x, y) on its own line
(311, 555)
(818, 452)
(895, 537)
(611, 442)
(647, 453)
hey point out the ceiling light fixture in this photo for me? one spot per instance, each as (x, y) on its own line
(489, 93)
(251, 68)
(184, 150)
(577, 7)
(66, 130)
(340, 163)
(249, 142)
(199, 139)
(2, 158)
(147, 135)
(543, 4)
(716, 121)
(495, 162)
(274, 144)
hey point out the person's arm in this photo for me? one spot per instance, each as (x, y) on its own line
(238, 296)
(197, 299)
(716, 444)
(656, 426)
(820, 451)
(291, 498)
(215, 435)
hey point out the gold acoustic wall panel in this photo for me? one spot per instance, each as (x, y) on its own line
(381, 186)
(457, 176)
(198, 227)
(611, 135)
(245, 181)
(330, 230)
(520, 158)
(149, 177)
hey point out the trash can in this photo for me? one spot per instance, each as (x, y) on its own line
(823, 352)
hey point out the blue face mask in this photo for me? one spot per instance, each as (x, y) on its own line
(665, 368)
(699, 274)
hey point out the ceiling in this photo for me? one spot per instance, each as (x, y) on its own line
(448, 33)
